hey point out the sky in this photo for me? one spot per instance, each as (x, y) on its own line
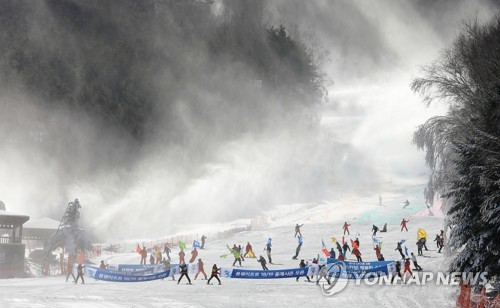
(362, 145)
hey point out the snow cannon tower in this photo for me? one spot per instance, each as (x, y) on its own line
(11, 247)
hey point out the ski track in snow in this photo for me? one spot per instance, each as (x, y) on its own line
(55, 292)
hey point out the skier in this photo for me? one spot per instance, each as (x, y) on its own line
(339, 248)
(407, 267)
(381, 257)
(323, 273)
(357, 253)
(215, 272)
(346, 247)
(102, 265)
(203, 239)
(441, 244)
(249, 251)
(144, 255)
(167, 251)
(332, 253)
(374, 229)
(406, 203)
(398, 271)
(69, 268)
(263, 263)
(152, 258)
(297, 230)
(168, 267)
(384, 229)
(419, 247)
(403, 225)
(158, 256)
(357, 242)
(297, 251)
(346, 228)
(414, 259)
(268, 249)
(200, 270)
(302, 265)
(241, 255)
(194, 254)
(398, 248)
(438, 241)
(237, 256)
(377, 251)
(80, 273)
(184, 272)
(181, 256)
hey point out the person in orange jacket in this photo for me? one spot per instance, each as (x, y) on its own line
(200, 270)
(194, 254)
(357, 253)
(407, 267)
(248, 250)
(144, 255)
(181, 256)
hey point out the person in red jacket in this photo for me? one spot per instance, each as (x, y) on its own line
(194, 254)
(181, 256)
(346, 228)
(407, 267)
(249, 251)
(357, 253)
(200, 270)
(403, 225)
(377, 251)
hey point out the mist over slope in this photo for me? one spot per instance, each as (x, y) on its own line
(159, 113)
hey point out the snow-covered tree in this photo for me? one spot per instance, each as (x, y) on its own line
(463, 147)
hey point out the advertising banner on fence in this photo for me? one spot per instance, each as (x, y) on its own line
(106, 275)
(259, 274)
(354, 270)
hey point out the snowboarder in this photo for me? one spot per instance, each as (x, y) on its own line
(184, 272)
(144, 255)
(346, 247)
(297, 250)
(181, 256)
(406, 203)
(357, 242)
(414, 259)
(102, 265)
(237, 256)
(263, 263)
(374, 229)
(302, 264)
(158, 256)
(241, 254)
(194, 254)
(398, 271)
(398, 248)
(346, 228)
(167, 251)
(419, 247)
(381, 257)
(403, 225)
(297, 230)
(323, 273)
(69, 268)
(441, 243)
(203, 239)
(357, 253)
(215, 272)
(384, 229)
(268, 249)
(249, 251)
(79, 272)
(200, 270)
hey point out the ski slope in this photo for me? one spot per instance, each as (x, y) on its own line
(320, 222)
